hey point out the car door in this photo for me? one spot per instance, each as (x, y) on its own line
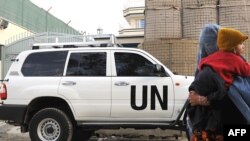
(87, 83)
(137, 91)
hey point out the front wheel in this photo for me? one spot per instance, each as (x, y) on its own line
(50, 124)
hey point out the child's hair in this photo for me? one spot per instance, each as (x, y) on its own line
(229, 38)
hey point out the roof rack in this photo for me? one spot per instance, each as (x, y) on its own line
(76, 41)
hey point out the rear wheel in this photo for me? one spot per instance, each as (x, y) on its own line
(50, 124)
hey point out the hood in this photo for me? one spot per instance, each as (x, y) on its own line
(183, 80)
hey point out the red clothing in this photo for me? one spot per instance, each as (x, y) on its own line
(227, 65)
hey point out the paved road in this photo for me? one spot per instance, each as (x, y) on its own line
(11, 133)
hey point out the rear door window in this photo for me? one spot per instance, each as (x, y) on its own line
(87, 64)
(45, 64)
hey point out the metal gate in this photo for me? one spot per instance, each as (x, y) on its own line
(11, 50)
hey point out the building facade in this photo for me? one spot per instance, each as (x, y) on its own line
(134, 14)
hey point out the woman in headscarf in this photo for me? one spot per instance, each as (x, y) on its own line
(208, 95)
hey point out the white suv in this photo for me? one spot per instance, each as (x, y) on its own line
(66, 94)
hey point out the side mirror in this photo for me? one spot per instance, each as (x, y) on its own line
(175, 73)
(159, 70)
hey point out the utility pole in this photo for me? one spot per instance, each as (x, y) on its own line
(46, 19)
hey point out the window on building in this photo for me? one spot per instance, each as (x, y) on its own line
(131, 64)
(87, 64)
(44, 64)
(140, 23)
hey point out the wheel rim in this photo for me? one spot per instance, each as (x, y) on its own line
(48, 130)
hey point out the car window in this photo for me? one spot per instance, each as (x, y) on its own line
(44, 64)
(87, 64)
(131, 64)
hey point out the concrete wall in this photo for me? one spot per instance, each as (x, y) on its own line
(10, 32)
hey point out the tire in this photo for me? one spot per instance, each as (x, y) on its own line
(81, 135)
(50, 124)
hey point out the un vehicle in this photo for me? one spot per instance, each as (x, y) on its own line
(67, 91)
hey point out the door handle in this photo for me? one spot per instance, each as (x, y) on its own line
(69, 83)
(121, 83)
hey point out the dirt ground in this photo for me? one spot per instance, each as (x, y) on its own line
(12, 133)
(150, 134)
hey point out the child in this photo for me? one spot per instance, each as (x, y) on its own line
(228, 63)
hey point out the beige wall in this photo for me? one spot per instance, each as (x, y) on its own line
(131, 31)
(11, 31)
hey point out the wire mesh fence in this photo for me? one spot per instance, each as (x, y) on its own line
(233, 2)
(156, 4)
(194, 18)
(199, 3)
(178, 55)
(173, 28)
(235, 14)
(160, 26)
